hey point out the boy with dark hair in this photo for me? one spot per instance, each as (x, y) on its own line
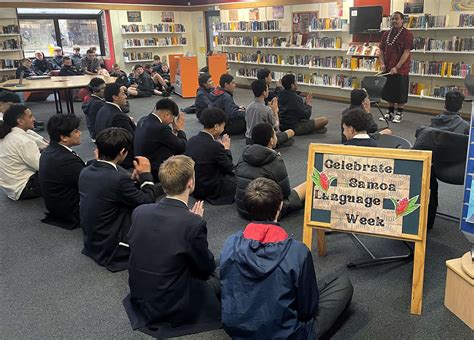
(295, 114)
(25, 68)
(261, 160)
(111, 114)
(450, 120)
(76, 56)
(59, 170)
(360, 100)
(90, 64)
(93, 103)
(68, 69)
(354, 125)
(273, 277)
(143, 86)
(108, 195)
(222, 98)
(257, 112)
(160, 134)
(173, 290)
(57, 60)
(203, 93)
(156, 63)
(40, 64)
(266, 74)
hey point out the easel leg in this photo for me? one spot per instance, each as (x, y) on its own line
(308, 237)
(321, 236)
(418, 277)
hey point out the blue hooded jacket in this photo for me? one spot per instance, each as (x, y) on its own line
(268, 283)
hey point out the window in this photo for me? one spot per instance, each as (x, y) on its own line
(45, 29)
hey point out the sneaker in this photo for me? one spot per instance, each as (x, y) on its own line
(386, 117)
(398, 118)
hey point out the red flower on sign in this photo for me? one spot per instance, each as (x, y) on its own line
(405, 206)
(321, 180)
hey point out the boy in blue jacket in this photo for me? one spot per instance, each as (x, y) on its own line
(268, 283)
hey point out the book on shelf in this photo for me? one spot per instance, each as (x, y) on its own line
(454, 44)
(9, 64)
(318, 24)
(9, 29)
(133, 56)
(466, 20)
(168, 41)
(153, 28)
(248, 26)
(427, 20)
(9, 44)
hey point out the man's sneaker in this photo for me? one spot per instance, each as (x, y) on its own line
(386, 117)
(398, 118)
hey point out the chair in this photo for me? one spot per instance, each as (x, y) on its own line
(374, 87)
(393, 142)
(449, 154)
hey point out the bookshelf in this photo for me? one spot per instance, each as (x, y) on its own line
(10, 44)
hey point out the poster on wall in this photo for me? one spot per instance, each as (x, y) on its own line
(254, 14)
(462, 5)
(167, 16)
(278, 12)
(233, 15)
(134, 16)
(413, 6)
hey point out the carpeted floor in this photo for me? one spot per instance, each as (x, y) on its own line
(49, 290)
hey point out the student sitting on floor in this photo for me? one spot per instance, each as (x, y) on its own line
(57, 60)
(360, 100)
(122, 77)
(173, 290)
(266, 74)
(160, 134)
(40, 64)
(203, 93)
(93, 103)
(268, 282)
(215, 180)
(295, 113)
(156, 63)
(223, 98)
(108, 195)
(354, 125)
(19, 154)
(59, 169)
(143, 86)
(257, 112)
(68, 69)
(260, 160)
(111, 114)
(25, 68)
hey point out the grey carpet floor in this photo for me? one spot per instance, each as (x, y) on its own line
(49, 290)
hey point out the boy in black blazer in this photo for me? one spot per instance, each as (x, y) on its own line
(354, 126)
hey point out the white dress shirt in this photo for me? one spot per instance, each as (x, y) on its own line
(38, 139)
(19, 160)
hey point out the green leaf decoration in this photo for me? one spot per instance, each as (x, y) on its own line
(410, 209)
(394, 201)
(413, 200)
(316, 178)
(332, 179)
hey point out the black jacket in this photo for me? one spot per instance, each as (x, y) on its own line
(145, 85)
(259, 161)
(42, 66)
(59, 171)
(155, 141)
(27, 72)
(292, 109)
(213, 163)
(169, 263)
(225, 101)
(203, 100)
(450, 121)
(57, 62)
(362, 142)
(70, 71)
(110, 115)
(90, 107)
(107, 199)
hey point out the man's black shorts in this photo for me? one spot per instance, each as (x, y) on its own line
(396, 89)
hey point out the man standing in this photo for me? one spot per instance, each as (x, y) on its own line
(59, 170)
(395, 58)
(173, 290)
(156, 139)
(108, 195)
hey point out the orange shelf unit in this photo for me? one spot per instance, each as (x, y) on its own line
(173, 64)
(186, 77)
(217, 66)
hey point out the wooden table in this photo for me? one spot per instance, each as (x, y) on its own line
(56, 84)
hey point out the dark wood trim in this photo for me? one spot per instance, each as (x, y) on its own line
(103, 6)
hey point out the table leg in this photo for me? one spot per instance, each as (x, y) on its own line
(57, 102)
(70, 98)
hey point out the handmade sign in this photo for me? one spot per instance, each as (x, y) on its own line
(373, 191)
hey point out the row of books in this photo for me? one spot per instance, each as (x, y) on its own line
(9, 29)
(324, 42)
(466, 20)
(426, 20)
(249, 26)
(168, 41)
(150, 28)
(363, 50)
(327, 23)
(137, 56)
(441, 68)
(9, 63)
(422, 89)
(454, 44)
(336, 62)
(9, 44)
